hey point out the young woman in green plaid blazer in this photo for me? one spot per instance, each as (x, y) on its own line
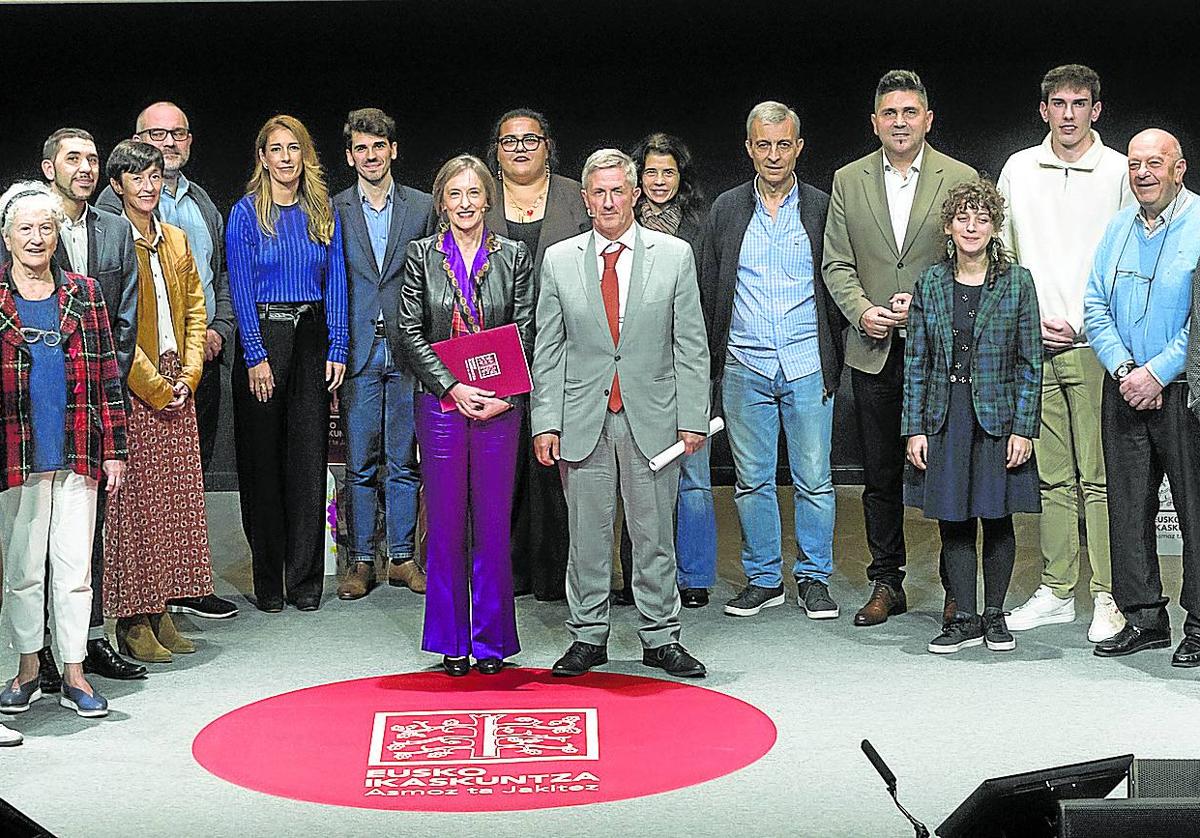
(972, 406)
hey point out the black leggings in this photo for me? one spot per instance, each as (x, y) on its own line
(999, 553)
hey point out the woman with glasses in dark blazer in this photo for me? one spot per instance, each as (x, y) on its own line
(538, 207)
(972, 406)
(460, 281)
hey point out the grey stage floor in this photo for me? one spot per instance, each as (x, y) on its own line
(943, 724)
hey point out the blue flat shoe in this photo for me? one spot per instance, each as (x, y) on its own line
(17, 700)
(89, 706)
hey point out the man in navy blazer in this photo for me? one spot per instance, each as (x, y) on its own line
(379, 218)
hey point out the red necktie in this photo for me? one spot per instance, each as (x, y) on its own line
(612, 307)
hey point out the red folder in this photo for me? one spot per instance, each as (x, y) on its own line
(491, 360)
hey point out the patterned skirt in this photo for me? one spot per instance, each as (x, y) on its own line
(155, 529)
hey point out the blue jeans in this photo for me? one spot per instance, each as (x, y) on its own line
(696, 523)
(755, 407)
(377, 405)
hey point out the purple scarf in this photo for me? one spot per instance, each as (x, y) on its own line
(465, 279)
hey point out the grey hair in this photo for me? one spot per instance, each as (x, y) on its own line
(771, 113)
(610, 158)
(29, 194)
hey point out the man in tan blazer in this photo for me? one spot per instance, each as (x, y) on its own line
(882, 232)
(620, 372)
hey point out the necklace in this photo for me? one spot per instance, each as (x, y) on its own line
(525, 214)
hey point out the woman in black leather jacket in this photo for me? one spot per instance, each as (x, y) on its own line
(459, 281)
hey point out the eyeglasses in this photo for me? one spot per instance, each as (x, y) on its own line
(160, 134)
(32, 335)
(527, 142)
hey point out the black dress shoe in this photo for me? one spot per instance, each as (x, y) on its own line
(308, 602)
(456, 666)
(579, 658)
(51, 678)
(102, 659)
(489, 666)
(694, 597)
(1133, 639)
(675, 660)
(269, 604)
(1186, 655)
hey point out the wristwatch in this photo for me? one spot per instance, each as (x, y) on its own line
(1120, 372)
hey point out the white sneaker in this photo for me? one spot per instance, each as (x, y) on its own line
(1042, 609)
(9, 737)
(1107, 619)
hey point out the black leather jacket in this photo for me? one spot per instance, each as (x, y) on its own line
(427, 301)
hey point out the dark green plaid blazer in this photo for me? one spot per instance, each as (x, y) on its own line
(1006, 366)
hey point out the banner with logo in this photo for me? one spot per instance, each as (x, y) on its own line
(1170, 540)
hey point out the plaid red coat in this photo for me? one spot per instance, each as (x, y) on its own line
(95, 420)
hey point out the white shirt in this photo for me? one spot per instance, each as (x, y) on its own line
(166, 329)
(901, 189)
(624, 266)
(74, 236)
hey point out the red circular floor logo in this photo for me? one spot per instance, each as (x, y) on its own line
(518, 740)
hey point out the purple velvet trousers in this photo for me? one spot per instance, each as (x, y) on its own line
(467, 468)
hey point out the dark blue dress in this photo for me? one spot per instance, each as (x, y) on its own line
(965, 475)
(47, 381)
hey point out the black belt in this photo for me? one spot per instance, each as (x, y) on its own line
(287, 312)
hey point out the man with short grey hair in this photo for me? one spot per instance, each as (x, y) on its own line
(776, 357)
(186, 205)
(620, 373)
(883, 231)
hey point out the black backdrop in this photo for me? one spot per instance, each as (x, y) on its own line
(606, 73)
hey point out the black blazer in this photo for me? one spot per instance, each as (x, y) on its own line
(427, 301)
(565, 216)
(369, 291)
(722, 246)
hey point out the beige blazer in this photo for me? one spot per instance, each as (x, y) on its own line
(864, 265)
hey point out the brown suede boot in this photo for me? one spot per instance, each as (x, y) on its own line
(358, 582)
(408, 575)
(135, 638)
(169, 636)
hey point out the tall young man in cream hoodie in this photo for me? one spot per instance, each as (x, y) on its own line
(1061, 195)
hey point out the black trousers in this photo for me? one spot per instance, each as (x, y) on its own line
(1140, 446)
(879, 400)
(540, 542)
(282, 445)
(208, 409)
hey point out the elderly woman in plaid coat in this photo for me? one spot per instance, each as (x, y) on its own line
(62, 416)
(972, 405)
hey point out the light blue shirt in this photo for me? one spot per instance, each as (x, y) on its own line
(774, 323)
(1137, 305)
(379, 223)
(182, 211)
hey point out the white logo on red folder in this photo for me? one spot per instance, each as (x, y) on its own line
(483, 366)
(482, 737)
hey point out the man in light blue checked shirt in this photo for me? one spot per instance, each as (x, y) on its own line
(775, 346)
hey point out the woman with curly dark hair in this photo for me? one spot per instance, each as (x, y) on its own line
(972, 405)
(671, 203)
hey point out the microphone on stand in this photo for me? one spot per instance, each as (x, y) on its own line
(889, 779)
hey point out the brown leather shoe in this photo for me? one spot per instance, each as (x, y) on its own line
(359, 580)
(885, 602)
(949, 608)
(407, 575)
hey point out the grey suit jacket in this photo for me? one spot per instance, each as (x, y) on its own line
(222, 320)
(112, 262)
(661, 356)
(864, 265)
(368, 290)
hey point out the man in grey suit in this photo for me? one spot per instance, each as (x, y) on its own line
(620, 372)
(100, 245)
(187, 206)
(882, 232)
(379, 218)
